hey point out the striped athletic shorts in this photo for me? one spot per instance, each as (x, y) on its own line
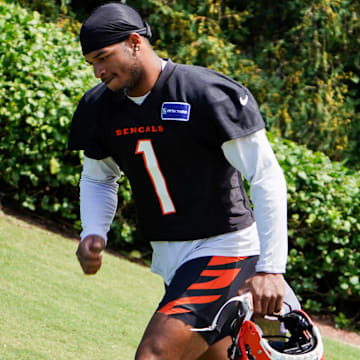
(201, 286)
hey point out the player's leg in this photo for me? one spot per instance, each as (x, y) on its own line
(217, 351)
(168, 338)
(199, 288)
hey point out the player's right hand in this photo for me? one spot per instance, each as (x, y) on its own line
(89, 253)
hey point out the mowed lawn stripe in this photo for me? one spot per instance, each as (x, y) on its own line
(50, 310)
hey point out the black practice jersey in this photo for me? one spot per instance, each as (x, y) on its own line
(170, 149)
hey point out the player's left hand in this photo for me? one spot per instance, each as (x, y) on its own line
(268, 292)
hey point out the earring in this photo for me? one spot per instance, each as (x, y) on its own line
(136, 48)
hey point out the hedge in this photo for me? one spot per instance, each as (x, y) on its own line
(324, 229)
(43, 76)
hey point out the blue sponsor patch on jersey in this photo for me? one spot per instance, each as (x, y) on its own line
(178, 111)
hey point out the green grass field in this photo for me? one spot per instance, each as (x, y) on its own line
(49, 310)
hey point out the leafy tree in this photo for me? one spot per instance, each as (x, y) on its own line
(312, 61)
(300, 58)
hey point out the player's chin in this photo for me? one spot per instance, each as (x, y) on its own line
(113, 84)
(120, 90)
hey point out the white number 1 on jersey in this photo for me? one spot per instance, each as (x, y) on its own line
(145, 148)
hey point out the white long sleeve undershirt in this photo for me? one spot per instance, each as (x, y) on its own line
(251, 155)
(98, 196)
(254, 158)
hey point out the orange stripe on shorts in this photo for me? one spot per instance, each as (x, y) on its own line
(223, 260)
(223, 279)
(172, 307)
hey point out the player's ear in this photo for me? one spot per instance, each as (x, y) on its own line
(135, 41)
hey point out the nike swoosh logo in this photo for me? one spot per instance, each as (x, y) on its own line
(244, 100)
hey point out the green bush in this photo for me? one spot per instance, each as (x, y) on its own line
(50, 10)
(324, 229)
(42, 78)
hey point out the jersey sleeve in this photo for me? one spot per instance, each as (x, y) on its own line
(85, 128)
(236, 114)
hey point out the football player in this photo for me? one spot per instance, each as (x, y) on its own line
(185, 136)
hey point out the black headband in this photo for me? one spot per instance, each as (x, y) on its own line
(110, 24)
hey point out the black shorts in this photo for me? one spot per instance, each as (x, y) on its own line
(201, 286)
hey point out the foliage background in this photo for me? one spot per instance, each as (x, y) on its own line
(299, 58)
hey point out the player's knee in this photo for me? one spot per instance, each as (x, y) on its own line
(151, 349)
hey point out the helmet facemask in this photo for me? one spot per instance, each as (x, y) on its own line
(302, 340)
